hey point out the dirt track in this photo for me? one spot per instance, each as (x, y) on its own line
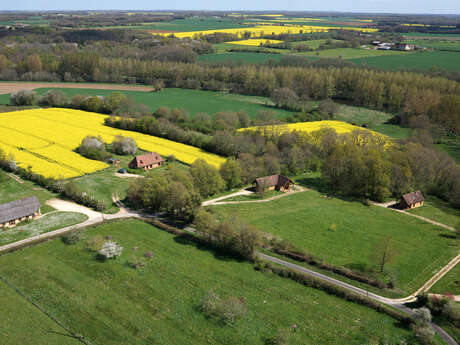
(8, 87)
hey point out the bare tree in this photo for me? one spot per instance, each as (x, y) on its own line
(384, 252)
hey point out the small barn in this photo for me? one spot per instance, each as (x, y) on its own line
(412, 200)
(273, 182)
(17, 211)
(114, 161)
(148, 161)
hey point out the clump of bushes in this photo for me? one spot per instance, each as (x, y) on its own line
(23, 97)
(138, 262)
(93, 148)
(227, 311)
(72, 237)
(124, 146)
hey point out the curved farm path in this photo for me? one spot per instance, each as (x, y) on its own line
(221, 200)
(124, 213)
(7, 87)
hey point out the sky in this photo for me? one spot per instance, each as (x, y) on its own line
(387, 6)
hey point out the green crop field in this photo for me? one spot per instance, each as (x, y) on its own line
(351, 53)
(433, 36)
(240, 57)
(194, 101)
(304, 220)
(112, 303)
(421, 60)
(314, 44)
(438, 210)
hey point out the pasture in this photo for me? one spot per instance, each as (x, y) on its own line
(420, 61)
(304, 219)
(112, 303)
(240, 58)
(351, 53)
(44, 139)
(449, 284)
(193, 101)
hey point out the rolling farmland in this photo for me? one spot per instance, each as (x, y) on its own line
(44, 139)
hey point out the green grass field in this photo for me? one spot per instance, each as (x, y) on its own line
(254, 196)
(48, 222)
(437, 44)
(449, 284)
(438, 210)
(304, 220)
(240, 57)
(194, 101)
(420, 60)
(314, 44)
(429, 35)
(22, 323)
(351, 53)
(11, 190)
(111, 303)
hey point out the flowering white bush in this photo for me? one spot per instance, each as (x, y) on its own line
(110, 249)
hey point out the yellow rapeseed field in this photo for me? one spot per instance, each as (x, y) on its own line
(44, 140)
(261, 30)
(308, 127)
(254, 42)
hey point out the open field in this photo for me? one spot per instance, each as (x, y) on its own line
(111, 303)
(193, 101)
(313, 44)
(47, 223)
(240, 57)
(304, 220)
(438, 210)
(432, 36)
(9, 87)
(421, 60)
(449, 284)
(351, 53)
(254, 42)
(11, 190)
(22, 323)
(450, 45)
(66, 127)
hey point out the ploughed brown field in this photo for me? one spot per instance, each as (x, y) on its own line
(7, 87)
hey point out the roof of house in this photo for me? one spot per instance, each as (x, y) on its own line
(18, 209)
(414, 197)
(273, 180)
(147, 159)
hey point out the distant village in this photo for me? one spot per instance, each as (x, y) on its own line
(378, 45)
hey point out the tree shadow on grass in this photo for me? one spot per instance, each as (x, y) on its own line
(320, 185)
(218, 253)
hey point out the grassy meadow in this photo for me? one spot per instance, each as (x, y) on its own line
(438, 210)
(449, 284)
(304, 219)
(194, 101)
(351, 53)
(240, 58)
(420, 60)
(112, 303)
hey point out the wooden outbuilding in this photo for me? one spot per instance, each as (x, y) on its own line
(114, 161)
(273, 182)
(18, 211)
(148, 161)
(412, 200)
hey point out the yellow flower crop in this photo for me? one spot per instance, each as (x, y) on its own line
(308, 127)
(44, 139)
(255, 42)
(261, 30)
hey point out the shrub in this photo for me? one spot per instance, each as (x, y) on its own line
(95, 244)
(136, 262)
(110, 250)
(332, 227)
(124, 146)
(93, 148)
(422, 315)
(227, 311)
(424, 334)
(72, 237)
(148, 255)
(452, 311)
(280, 338)
(23, 97)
